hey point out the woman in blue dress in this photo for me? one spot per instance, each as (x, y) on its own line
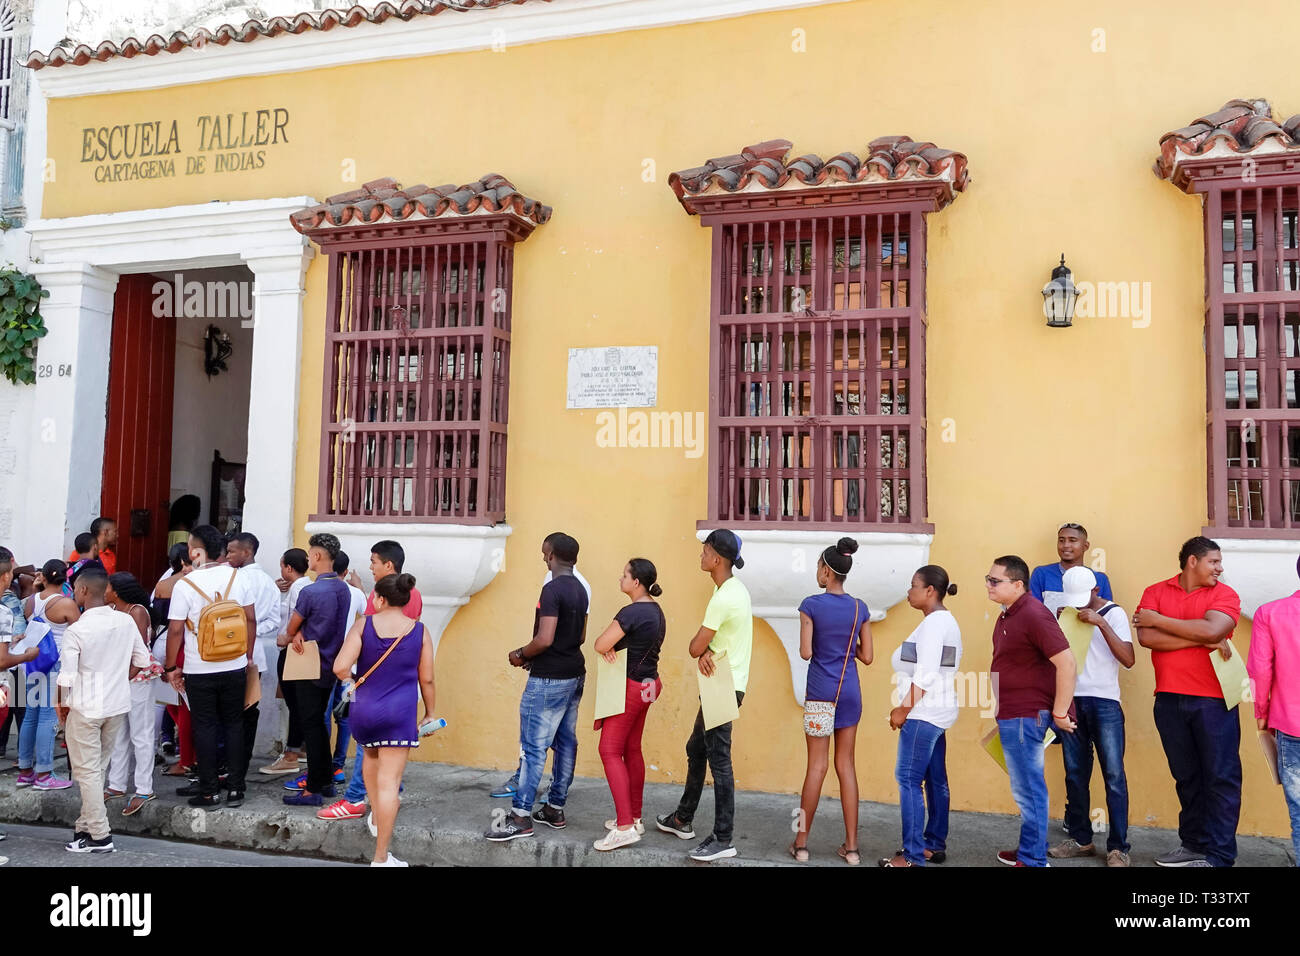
(834, 629)
(383, 708)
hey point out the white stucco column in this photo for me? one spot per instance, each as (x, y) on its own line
(273, 395)
(65, 451)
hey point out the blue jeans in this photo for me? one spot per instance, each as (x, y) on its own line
(548, 717)
(40, 723)
(345, 732)
(1022, 744)
(1202, 741)
(1288, 768)
(922, 752)
(1101, 724)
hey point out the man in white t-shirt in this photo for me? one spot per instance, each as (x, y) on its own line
(241, 552)
(215, 689)
(293, 578)
(1100, 723)
(508, 788)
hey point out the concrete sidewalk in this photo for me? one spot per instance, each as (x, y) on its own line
(446, 810)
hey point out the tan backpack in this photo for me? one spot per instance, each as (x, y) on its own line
(223, 628)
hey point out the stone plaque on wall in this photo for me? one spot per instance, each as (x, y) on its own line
(615, 376)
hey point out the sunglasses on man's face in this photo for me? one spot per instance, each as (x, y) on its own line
(994, 582)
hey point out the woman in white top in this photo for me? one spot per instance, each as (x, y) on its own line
(925, 665)
(40, 724)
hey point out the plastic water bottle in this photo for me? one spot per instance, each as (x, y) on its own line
(429, 726)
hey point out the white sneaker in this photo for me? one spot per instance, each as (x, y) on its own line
(3, 860)
(636, 825)
(617, 838)
(374, 831)
(391, 861)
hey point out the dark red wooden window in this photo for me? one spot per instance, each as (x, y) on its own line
(1253, 355)
(417, 368)
(818, 346)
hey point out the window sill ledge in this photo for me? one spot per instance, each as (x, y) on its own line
(1258, 569)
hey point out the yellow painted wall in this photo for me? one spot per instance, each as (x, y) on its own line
(1101, 424)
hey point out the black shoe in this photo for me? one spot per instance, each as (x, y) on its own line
(84, 844)
(512, 828)
(169, 748)
(191, 789)
(670, 824)
(553, 817)
(235, 798)
(209, 801)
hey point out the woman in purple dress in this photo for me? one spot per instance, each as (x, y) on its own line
(383, 708)
(834, 629)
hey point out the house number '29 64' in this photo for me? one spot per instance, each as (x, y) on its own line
(48, 371)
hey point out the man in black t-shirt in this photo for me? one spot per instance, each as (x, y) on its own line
(548, 711)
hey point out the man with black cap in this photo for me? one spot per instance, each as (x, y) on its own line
(728, 627)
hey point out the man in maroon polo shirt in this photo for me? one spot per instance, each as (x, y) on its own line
(1183, 621)
(1033, 676)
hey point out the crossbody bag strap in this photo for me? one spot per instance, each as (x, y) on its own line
(392, 647)
(857, 611)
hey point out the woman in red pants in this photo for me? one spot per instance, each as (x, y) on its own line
(638, 629)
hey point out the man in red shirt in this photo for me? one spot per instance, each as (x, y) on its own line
(104, 531)
(1183, 621)
(1033, 673)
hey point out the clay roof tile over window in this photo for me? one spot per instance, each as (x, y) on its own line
(386, 200)
(1239, 128)
(764, 166)
(254, 29)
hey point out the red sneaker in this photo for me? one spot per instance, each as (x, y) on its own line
(1009, 858)
(342, 810)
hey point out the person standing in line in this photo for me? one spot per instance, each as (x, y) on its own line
(548, 710)
(104, 531)
(178, 566)
(216, 689)
(1100, 723)
(925, 666)
(11, 599)
(834, 629)
(87, 551)
(136, 736)
(393, 655)
(1182, 621)
(241, 553)
(728, 628)
(1273, 664)
(386, 559)
(320, 615)
(342, 735)
(639, 628)
(1071, 548)
(293, 576)
(102, 651)
(511, 786)
(1033, 673)
(36, 736)
(8, 634)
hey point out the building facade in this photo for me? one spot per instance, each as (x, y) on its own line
(845, 345)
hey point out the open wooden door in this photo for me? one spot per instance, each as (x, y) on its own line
(138, 440)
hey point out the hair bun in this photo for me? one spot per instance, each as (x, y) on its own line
(952, 589)
(846, 546)
(656, 590)
(405, 582)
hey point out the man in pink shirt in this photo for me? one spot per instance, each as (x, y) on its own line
(1274, 667)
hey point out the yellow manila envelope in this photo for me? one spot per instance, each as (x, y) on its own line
(304, 666)
(1232, 675)
(1078, 633)
(992, 743)
(718, 693)
(253, 687)
(611, 685)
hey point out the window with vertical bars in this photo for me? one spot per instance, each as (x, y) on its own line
(417, 366)
(819, 412)
(1253, 324)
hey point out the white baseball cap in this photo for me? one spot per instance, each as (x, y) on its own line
(1078, 584)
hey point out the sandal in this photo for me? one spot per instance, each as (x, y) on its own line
(851, 857)
(800, 853)
(887, 863)
(111, 794)
(136, 803)
(176, 770)
(931, 856)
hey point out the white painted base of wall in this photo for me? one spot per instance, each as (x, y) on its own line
(451, 562)
(1259, 570)
(781, 570)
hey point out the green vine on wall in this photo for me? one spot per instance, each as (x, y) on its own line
(21, 325)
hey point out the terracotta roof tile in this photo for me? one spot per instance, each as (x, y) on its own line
(889, 158)
(255, 29)
(386, 200)
(1240, 127)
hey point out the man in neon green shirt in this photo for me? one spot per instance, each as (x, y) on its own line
(728, 627)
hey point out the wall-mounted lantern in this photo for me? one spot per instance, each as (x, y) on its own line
(1059, 296)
